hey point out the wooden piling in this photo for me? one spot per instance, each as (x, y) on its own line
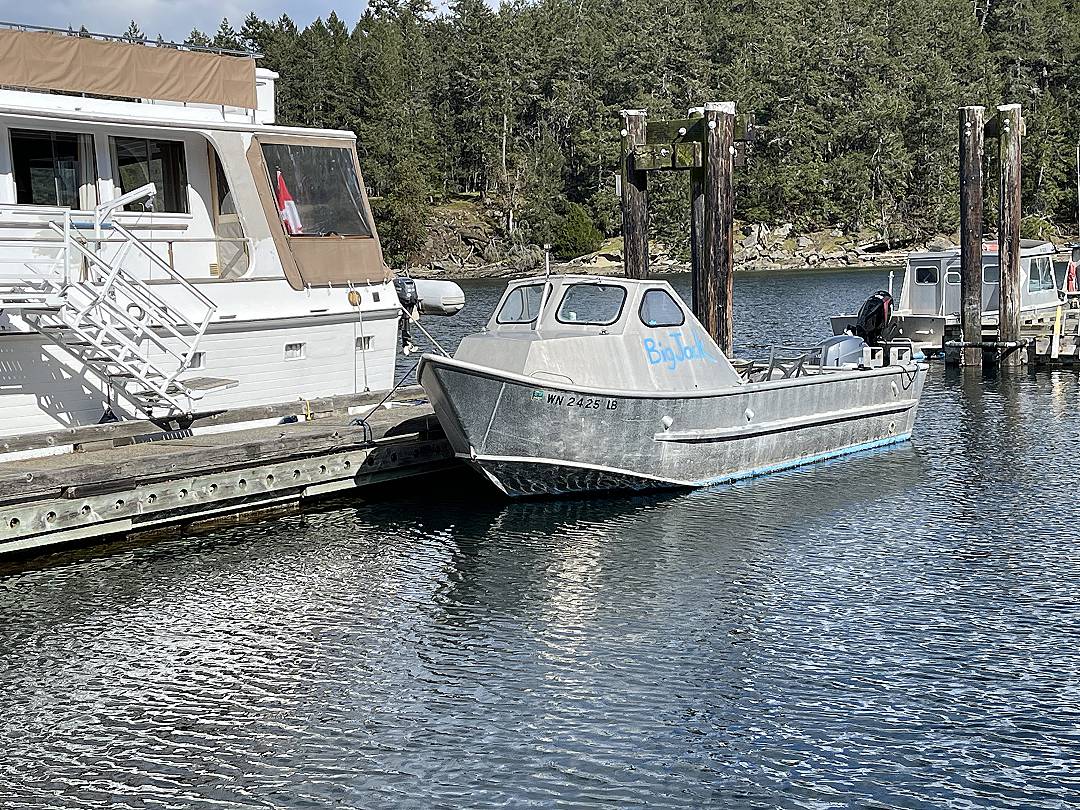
(718, 237)
(635, 210)
(697, 230)
(1011, 129)
(971, 224)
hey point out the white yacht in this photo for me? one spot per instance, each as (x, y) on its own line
(165, 248)
(930, 293)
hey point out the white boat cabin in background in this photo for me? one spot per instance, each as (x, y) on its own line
(172, 250)
(930, 292)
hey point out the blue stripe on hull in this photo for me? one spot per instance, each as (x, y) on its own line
(799, 462)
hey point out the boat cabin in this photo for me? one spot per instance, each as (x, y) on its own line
(932, 280)
(618, 334)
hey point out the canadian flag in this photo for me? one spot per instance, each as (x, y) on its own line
(290, 216)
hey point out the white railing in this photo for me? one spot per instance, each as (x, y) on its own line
(84, 297)
(122, 311)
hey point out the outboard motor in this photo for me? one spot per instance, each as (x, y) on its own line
(406, 293)
(874, 322)
(425, 297)
(405, 288)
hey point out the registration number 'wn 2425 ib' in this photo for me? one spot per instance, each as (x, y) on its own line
(576, 401)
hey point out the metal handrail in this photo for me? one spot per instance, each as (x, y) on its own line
(115, 268)
(120, 38)
(153, 257)
(158, 312)
(136, 291)
(99, 300)
(183, 240)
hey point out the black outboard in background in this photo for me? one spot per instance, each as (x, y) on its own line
(425, 296)
(410, 307)
(874, 324)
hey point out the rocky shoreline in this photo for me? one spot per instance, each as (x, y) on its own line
(757, 248)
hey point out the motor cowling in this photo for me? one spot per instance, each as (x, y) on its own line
(406, 293)
(874, 321)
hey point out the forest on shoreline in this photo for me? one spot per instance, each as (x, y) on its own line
(518, 106)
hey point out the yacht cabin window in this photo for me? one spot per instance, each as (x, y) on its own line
(521, 305)
(591, 304)
(54, 169)
(658, 308)
(317, 189)
(138, 161)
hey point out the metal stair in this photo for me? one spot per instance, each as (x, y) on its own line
(113, 322)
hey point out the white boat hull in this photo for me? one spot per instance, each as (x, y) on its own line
(43, 387)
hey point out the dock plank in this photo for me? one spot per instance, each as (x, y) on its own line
(115, 468)
(81, 496)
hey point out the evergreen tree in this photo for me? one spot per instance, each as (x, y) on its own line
(226, 37)
(134, 33)
(198, 39)
(855, 99)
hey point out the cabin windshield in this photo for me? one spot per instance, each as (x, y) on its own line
(317, 189)
(1041, 275)
(591, 304)
(521, 305)
(659, 309)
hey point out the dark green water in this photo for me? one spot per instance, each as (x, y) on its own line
(896, 629)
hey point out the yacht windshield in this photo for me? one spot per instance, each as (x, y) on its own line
(317, 189)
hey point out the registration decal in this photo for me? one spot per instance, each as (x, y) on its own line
(582, 401)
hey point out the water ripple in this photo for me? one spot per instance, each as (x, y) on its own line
(897, 629)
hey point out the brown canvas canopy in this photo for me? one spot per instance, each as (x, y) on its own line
(318, 260)
(47, 61)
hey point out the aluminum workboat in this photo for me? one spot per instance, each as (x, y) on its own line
(583, 384)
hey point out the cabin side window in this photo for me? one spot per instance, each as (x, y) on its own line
(317, 190)
(658, 308)
(991, 273)
(1040, 275)
(521, 305)
(926, 274)
(591, 304)
(138, 161)
(54, 169)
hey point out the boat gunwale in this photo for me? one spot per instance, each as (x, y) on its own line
(829, 375)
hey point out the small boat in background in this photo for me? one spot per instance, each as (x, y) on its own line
(930, 293)
(582, 384)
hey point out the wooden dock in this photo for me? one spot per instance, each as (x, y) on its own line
(1050, 339)
(1056, 340)
(89, 482)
